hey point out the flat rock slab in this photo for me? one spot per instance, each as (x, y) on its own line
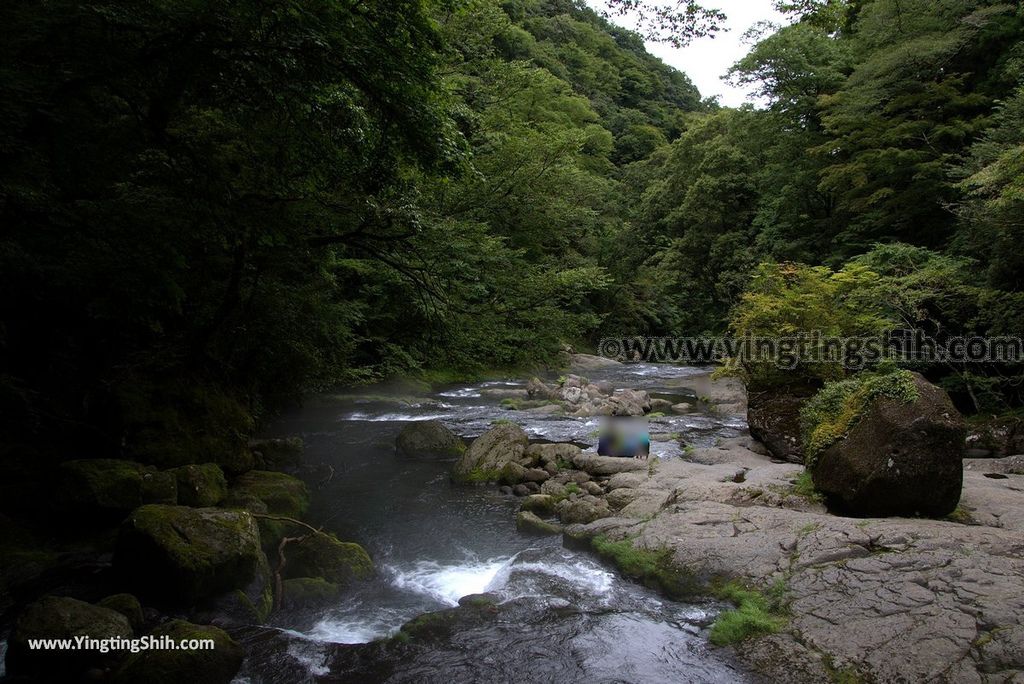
(890, 599)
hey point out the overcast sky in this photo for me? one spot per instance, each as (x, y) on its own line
(706, 60)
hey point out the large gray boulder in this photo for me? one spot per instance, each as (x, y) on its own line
(899, 458)
(429, 439)
(489, 453)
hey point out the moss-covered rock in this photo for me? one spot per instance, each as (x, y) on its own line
(489, 453)
(179, 555)
(324, 555)
(539, 503)
(58, 617)
(886, 445)
(218, 665)
(280, 494)
(307, 592)
(530, 523)
(269, 493)
(110, 487)
(127, 605)
(200, 485)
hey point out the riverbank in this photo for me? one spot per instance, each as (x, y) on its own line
(865, 599)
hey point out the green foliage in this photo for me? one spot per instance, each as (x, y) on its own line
(836, 409)
(789, 300)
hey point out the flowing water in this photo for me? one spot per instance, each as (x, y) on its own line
(565, 616)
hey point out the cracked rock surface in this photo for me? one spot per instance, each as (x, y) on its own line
(884, 599)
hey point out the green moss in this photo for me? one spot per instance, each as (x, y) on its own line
(572, 488)
(837, 408)
(961, 515)
(755, 614)
(654, 568)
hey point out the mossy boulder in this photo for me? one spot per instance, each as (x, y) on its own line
(218, 665)
(489, 453)
(111, 487)
(308, 592)
(277, 454)
(539, 503)
(530, 523)
(885, 444)
(429, 439)
(269, 493)
(178, 555)
(59, 617)
(279, 493)
(127, 605)
(324, 555)
(200, 485)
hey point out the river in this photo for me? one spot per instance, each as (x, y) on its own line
(569, 617)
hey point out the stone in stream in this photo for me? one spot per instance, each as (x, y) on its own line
(428, 439)
(901, 457)
(555, 454)
(583, 509)
(59, 617)
(581, 363)
(529, 523)
(542, 503)
(489, 453)
(324, 555)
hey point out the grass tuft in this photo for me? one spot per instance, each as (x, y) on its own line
(755, 614)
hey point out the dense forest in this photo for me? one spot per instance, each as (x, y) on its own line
(212, 208)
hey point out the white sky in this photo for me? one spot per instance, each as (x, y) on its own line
(706, 60)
